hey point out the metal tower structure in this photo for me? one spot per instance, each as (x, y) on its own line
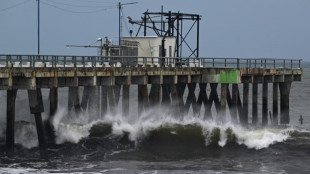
(171, 24)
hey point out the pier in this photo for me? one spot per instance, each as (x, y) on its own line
(160, 81)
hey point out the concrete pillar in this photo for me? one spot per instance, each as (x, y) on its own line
(175, 99)
(254, 103)
(166, 101)
(117, 93)
(235, 94)
(94, 103)
(36, 108)
(202, 97)
(53, 96)
(125, 102)
(155, 94)
(145, 96)
(104, 101)
(222, 114)
(10, 121)
(181, 88)
(265, 104)
(140, 100)
(74, 100)
(85, 98)
(275, 103)
(285, 88)
(245, 111)
(111, 99)
(191, 98)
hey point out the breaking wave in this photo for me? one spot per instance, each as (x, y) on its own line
(154, 130)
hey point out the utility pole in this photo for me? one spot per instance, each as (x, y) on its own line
(38, 26)
(120, 23)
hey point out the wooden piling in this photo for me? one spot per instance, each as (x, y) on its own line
(117, 92)
(104, 101)
(254, 103)
(53, 96)
(214, 98)
(155, 94)
(245, 111)
(125, 102)
(166, 100)
(235, 94)
(265, 104)
(275, 103)
(111, 99)
(175, 99)
(202, 97)
(222, 115)
(181, 89)
(36, 108)
(10, 121)
(285, 102)
(191, 98)
(94, 102)
(74, 100)
(85, 98)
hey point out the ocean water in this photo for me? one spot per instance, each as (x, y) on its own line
(159, 142)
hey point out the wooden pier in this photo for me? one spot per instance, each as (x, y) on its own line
(104, 79)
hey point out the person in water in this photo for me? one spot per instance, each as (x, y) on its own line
(301, 120)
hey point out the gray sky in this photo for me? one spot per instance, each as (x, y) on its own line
(229, 28)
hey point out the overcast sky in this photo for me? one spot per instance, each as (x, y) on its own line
(229, 28)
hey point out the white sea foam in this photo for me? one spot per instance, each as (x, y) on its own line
(72, 129)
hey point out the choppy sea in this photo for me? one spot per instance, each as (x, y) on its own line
(158, 141)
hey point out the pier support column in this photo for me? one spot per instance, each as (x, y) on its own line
(235, 95)
(10, 121)
(191, 98)
(222, 115)
(104, 101)
(94, 103)
(85, 98)
(202, 97)
(175, 99)
(166, 100)
(254, 103)
(275, 104)
(181, 88)
(74, 100)
(53, 96)
(285, 88)
(155, 94)
(125, 102)
(143, 99)
(214, 98)
(245, 111)
(36, 108)
(265, 104)
(111, 99)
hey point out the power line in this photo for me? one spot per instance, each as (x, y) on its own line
(74, 11)
(16, 5)
(83, 6)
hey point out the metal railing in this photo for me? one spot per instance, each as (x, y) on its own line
(131, 61)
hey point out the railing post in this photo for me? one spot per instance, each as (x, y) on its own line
(225, 62)
(213, 62)
(265, 63)
(291, 64)
(274, 63)
(299, 63)
(283, 63)
(238, 63)
(255, 63)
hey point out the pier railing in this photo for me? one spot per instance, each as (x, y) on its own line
(132, 61)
